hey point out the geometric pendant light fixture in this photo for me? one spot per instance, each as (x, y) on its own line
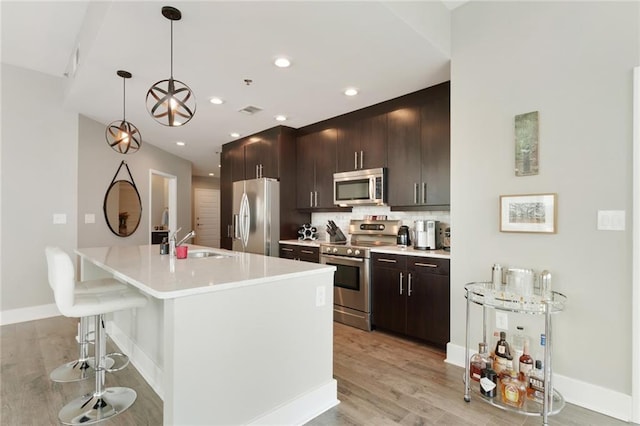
(171, 102)
(122, 135)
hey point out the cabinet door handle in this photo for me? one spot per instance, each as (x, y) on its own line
(424, 192)
(362, 159)
(257, 172)
(428, 265)
(261, 170)
(415, 193)
(355, 160)
(387, 260)
(316, 203)
(409, 285)
(286, 249)
(310, 198)
(306, 251)
(401, 283)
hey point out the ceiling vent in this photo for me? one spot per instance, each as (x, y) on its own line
(250, 110)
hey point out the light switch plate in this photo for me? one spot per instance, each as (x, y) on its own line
(502, 320)
(611, 220)
(89, 218)
(59, 218)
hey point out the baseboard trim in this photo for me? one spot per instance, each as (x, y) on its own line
(148, 369)
(587, 395)
(304, 408)
(32, 313)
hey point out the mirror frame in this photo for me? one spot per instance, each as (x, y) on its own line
(114, 182)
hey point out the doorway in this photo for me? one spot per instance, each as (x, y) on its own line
(163, 198)
(207, 216)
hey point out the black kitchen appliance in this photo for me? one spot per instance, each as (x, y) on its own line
(403, 238)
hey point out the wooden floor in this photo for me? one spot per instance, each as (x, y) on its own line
(382, 380)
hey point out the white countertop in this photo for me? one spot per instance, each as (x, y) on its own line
(307, 243)
(410, 251)
(164, 277)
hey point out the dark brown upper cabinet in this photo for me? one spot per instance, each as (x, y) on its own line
(362, 144)
(418, 147)
(261, 156)
(316, 163)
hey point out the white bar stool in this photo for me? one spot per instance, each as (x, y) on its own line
(103, 403)
(81, 368)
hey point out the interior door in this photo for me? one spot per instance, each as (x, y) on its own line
(207, 216)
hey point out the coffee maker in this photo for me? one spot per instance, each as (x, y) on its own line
(403, 238)
(426, 235)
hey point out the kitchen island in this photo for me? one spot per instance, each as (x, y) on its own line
(233, 338)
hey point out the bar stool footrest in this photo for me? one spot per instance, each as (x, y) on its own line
(116, 365)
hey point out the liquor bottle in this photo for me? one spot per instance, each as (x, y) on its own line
(503, 358)
(525, 364)
(488, 382)
(535, 388)
(479, 362)
(518, 346)
(513, 390)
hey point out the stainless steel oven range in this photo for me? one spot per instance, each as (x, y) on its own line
(351, 283)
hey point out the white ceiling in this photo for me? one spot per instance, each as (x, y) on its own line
(385, 49)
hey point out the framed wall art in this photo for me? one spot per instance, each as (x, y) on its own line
(526, 132)
(528, 213)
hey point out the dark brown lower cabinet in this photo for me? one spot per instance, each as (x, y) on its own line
(411, 296)
(297, 252)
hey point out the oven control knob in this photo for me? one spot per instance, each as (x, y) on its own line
(357, 252)
(327, 249)
(349, 251)
(335, 249)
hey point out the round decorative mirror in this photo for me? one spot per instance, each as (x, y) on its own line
(122, 208)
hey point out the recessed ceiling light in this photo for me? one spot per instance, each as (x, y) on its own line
(180, 143)
(281, 118)
(216, 101)
(282, 62)
(351, 91)
(234, 134)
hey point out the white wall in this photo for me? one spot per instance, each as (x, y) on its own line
(573, 63)
(56, 162)
(39, 177)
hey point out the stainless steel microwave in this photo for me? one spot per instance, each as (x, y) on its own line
(360, 187)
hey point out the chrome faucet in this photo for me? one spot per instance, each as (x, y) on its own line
(186, 237)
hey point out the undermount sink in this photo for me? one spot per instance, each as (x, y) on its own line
(196, 254)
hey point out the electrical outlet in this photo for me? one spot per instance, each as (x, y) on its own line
(59, 218)
(321, 298)
(502, 320)
(89, 218)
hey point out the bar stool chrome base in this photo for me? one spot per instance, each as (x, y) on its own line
(90, 408)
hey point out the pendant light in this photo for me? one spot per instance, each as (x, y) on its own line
(122, 135)
(171, 102)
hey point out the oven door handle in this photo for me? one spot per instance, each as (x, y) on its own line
(342, 258)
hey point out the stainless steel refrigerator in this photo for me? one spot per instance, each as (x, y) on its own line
(256, 216)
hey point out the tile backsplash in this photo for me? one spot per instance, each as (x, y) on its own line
(319, 220)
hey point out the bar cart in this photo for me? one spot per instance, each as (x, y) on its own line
(483, 294)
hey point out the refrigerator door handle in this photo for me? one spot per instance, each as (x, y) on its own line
(245, 217)
(236, 227)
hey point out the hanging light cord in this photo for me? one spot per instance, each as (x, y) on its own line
(124, 97)
(171, 49)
